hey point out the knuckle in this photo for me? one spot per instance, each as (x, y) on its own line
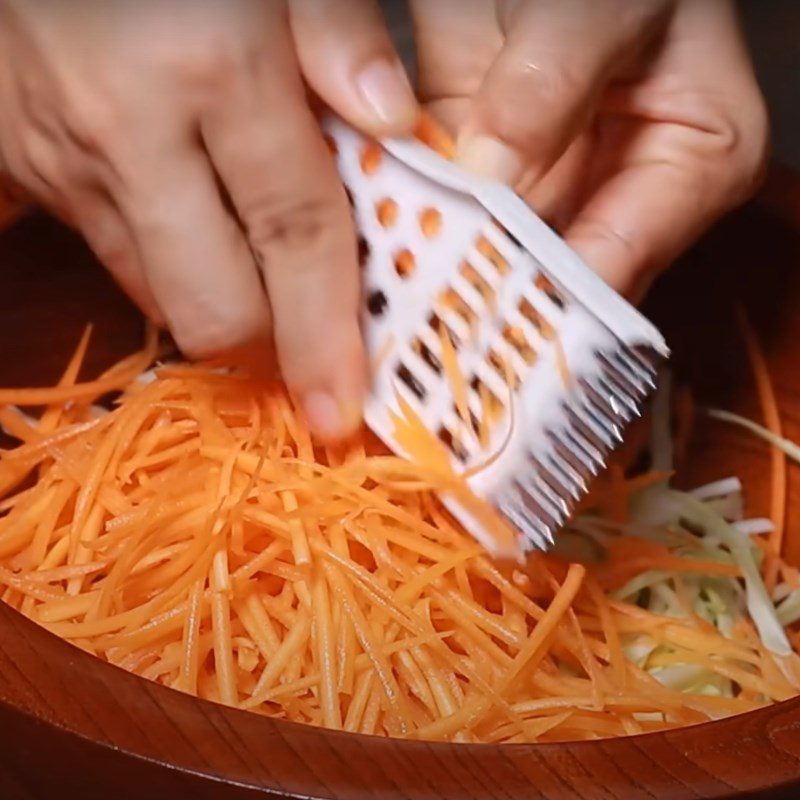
(629, 249)
(210, 65)
(742, 150)
(753, 154)
(90, 111)
(110, 250)
(39, 160)
(557, 79)
(96, 127)
(219, 334)
(16, 176)
(526, 94)
(301, 222)
(636, 22)
(97, 118)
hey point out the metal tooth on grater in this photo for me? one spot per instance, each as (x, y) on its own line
(575, 483)
(447, 255)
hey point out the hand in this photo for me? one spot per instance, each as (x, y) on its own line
(178, 137)
(630, 125)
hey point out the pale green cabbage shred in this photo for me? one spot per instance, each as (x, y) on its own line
(710, 516)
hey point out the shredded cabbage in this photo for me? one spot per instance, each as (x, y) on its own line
(789, 447)
(661, 506)
(706, 523)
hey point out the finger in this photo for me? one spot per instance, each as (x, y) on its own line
(539, 93)
(195, 258)
(107, 234)
(557, 194)
(677, 176)
(348, 58)
(60, 181)
(644, 216)
(456, 43)
(270, 154)
(449, 112)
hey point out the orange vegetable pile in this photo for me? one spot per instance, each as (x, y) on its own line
(196, 536)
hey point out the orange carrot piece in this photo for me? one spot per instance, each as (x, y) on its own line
(772, 420)
(455, 377)
(432, 133)
(52, 416)
(83, 391)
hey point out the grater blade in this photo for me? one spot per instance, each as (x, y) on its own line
(555, 362)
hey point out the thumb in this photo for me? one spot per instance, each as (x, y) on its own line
(541, 90)
(348, 59)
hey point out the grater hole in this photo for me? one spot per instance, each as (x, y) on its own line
(370, 159)
(544, 284)
(386, 211)
(411, 381)
(503, 369)
(439, 326)
(478, 283)
(474, 422)
(451, 299)
(330, 142)
(492, 254)
(427, 355)
(405, 263)
(527, 310)
(515, 336)
(377, 303)
(452, 443)
(363, 251)
(491, 405)
(430, 222)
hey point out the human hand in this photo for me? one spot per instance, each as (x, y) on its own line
(630, 125)
(178, 138)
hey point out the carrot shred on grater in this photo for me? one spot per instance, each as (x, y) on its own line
(461, 278)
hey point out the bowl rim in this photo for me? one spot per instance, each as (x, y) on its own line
(711, 759)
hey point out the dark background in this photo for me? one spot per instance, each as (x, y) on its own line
(773, 27)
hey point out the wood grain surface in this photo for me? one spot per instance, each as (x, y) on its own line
(72, 726)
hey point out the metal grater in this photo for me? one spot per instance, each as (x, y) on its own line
(445, 253)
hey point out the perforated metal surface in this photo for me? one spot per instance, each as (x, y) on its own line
(453, 264)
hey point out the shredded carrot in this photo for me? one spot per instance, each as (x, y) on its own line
(58, 395)
(52, 416)
(13, 421)
(630, 555)
(772, 420)
(196, 536)
(431, 132)
(455, 377)
(563, 364)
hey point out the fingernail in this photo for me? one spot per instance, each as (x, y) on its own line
(490, 158)
(384, 87)
(329, 418)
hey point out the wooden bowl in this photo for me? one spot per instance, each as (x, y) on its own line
(73, 726)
